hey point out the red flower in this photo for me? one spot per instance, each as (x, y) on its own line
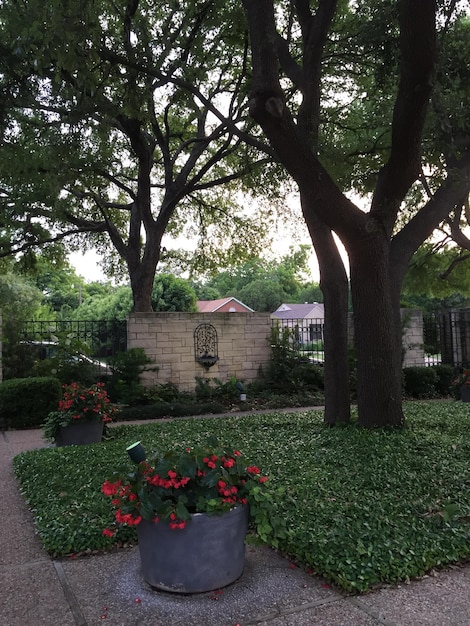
(111, 489)
(107, 533)
(159, 490)
(177, 525)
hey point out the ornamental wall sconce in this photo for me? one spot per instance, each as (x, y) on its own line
(205, 345)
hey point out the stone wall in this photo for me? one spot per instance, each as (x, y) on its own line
(243, 344)
(413, 342)
(168, 338)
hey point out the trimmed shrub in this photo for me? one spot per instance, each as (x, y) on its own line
(167, 409)
(26, 402)
(420, 382)
(288, 370)
(124, 384)
(445, 376)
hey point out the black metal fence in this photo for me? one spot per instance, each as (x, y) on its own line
(446, 337)
(306, 336)
(103, 339)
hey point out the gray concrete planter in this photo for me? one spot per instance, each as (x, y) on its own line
(209, 553)
(79, 434)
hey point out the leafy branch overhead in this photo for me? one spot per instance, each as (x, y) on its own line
(121, 131)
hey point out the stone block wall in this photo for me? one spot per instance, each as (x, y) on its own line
(413, 342)
(168, 338)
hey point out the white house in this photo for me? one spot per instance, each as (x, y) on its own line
(314, 311)
(306, 319)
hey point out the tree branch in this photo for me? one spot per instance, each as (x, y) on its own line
(417, 66)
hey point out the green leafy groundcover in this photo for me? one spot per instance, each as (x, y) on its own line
(363, 507)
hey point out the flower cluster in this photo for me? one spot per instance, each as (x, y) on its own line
(79, 403)
(89, 403)
(170, 487)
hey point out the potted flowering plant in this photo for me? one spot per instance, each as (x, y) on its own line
(460, 385)
(192, 508)
(80, 416)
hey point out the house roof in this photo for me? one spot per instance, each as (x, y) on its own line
(212, 306)
(315, 310)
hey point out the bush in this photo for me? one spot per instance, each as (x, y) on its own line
(420, 382)
(214, 389)
(445, 376)
(26, 402)
(124, 384)
(66, 371)
(167, 409)
(289, 370)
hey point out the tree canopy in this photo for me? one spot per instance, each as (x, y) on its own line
(264, 285)
(125, 123)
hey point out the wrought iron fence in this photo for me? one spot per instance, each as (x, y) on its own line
(306, 335)
(446, 337)
(103, 339)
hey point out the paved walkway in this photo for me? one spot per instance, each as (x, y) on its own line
(37, 590)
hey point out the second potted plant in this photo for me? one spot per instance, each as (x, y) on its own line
(80, 416)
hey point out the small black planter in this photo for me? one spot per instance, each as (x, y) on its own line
(209, 553)
(79, 434)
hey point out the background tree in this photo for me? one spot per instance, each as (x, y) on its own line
(169, 293)
(128, 122)
(438, 272)
(264, 285)
(20, 301)
(301, 42)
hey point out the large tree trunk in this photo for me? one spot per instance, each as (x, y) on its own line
(142, 270)
(375, 334)
(141, 284)
(334, 285)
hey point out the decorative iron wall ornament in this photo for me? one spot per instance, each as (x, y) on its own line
(205, 345)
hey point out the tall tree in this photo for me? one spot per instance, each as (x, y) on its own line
(299, 42)
(263, 285)
(129, 120)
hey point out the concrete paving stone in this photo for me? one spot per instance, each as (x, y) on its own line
(22, 440)
(118, 589)
(439, 600)
(31, 595)
(335, 613)
(20, 545)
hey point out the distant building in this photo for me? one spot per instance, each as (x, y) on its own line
(223, 305)
(306, 311)
(306, 319)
